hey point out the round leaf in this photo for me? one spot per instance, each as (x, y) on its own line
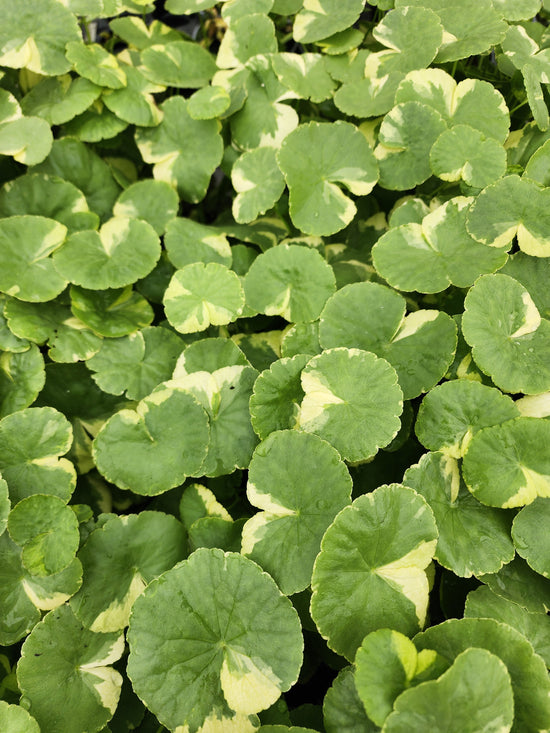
(438, 251)
(201, 295)
(474, 694)
(314, 158)
(60, 99)
(406, 136)
(289, 281)
(300, 483)
(47, 530)
(464, 153)
(121, 252)
(247, 36)
(512, 207)
(372, 563)
(134, 103)
(208, 102)
(344, 388)
(530, 684)
(111, 313)
(473, 539)
(208, 355)
(184, 152)
(137, 363)
(21, 379)
(30, 442)
(65, 675)
(219, 651)
(35, 36)
(370, 316)
(15, 719)
(42, 195)
(319, 19)
(93, 62)
(28, 140)
(154, 201)
(189, 241)
(509, 339)
(130, 551)
(156, 447)
(453, 412)
(343, 711)
(508, 465)
(178, 64)
(26, 268)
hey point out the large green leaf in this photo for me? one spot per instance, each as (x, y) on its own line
(184, 152)
(343, 710)
(217, 652)
(178, 64)
(370, 573)
(130, 551)
(509, 339)
(289, 281)
(111, 313)
(21, 379)
(34, 36)
(314, 158)
(66, 676)
(155, 447)
(300, 483)
(346, 387)
(370, 316)
(530, 543)
(26, 268)
(319, 19)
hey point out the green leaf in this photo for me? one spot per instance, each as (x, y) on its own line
(343, 711)
(512, 207)
(122, 550)
(515, 10)
(464, 153)
(321, 18)
(343, 387)
(201, 295)
(472, 102)
(189, 241)
(258, 182)
(93, 62)
(135, 103)
(530, 684)
(31, 441)
(184, 152)
(15, 719)
(474, 694)
(372, 563)
(511, 582)
(469, 30)
(208, 355)
(26, 268)
(438, 251)
(233, 10)
(289, 281)
(277, 395)
(27, 139)
(60, 98)
(178, 64)
(387, 663)
(370, 316)
(236, 644)
(483, 603)
(406, 136)
(63, 663)
(224, 394)
(23, 596)
(246, 37)
(41, 195)
(208, 102)
(508, 465)
(156, 447)
(300, 483)
(530, 543)
(453, 412)
(509, 339)
(134, 31)
(96, 124)
(314, 158)
(153, 201)
(21, 379)
(305, 74)
(301, 338)
(473, 539)
(137, 363)
(111, 313)
(198, 502)
(35, 36)
(121, 252)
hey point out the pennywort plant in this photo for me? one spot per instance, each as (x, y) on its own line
(274, 366)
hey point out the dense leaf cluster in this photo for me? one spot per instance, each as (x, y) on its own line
(274, 366)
